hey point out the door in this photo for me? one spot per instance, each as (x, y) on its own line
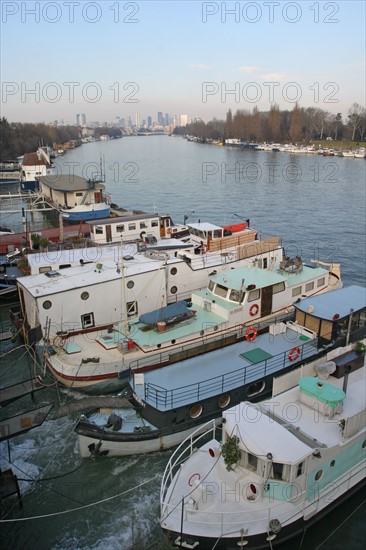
(266, 301)
(108, 232)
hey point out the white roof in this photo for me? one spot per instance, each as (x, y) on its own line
(260, 434)
(204, 226)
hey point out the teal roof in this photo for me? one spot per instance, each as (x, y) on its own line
(265, 277)
(340, 301)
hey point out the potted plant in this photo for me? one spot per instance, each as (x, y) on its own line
(360, 347)
(231, 452)
(43, 243)
(36, 238)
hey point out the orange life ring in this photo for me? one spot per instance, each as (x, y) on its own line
(193, 478)
(254, 309)
(294, 354)
(204, 249)
(251, 334)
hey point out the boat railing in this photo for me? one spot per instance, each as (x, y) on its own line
(162, 398)
(183, 452)
(186, 351)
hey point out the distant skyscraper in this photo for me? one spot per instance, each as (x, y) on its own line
(183, 120)
(83, 119)
(137, 121)
(78, 120)
(149, 121)
(160, 119)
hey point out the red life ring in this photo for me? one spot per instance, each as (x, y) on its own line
(193, 478)
(251, 334)
(204, 249)
(294, 354)
(254, 309)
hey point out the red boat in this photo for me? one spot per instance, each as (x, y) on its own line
(235, 227)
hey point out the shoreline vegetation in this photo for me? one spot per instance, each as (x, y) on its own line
(301, 126)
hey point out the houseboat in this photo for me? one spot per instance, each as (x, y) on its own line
(228, 310)
(77, 198)
(33, 166)
(169, 403)
(274, 468)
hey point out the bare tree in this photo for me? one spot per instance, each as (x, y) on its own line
(355, 114)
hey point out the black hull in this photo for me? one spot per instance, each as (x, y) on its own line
(259, 542)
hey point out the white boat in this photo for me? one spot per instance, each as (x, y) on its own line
(171, 402)
(34, 165)
(360, 153)
(278, 466)
(233, 301)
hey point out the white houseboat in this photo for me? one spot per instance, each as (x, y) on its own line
(79, 199)
(33, 166)
(228, 310)
(276, 468)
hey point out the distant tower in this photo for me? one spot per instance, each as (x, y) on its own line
(149, 122)
(83, 119)
(78, 120)
(137, 120)
(160, 119)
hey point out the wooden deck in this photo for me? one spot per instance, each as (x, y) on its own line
(52, 234)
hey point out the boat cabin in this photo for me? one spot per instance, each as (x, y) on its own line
(69, 190)
(334, 314)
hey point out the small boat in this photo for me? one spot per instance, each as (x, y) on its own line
(170, 403)
(5, 231)
(83, 212)
(235, 227)
(276, 467)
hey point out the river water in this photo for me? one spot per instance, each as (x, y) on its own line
(316, 204)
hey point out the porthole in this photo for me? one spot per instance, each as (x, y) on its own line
(318, 475)
(224, 400)
(195, 411)
(130, 284)
(202, 332)
(174, 290)
(173, 341)
(173, 271)
(332, 463)
(84, 295)
(47, 304)
(256, 388)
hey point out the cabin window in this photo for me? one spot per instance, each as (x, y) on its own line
(320, 282)
(211, 285)
(234, 295)
(154, 223)
(174, 290)
(46, 304)
(309, 286)
(78, 194)
(120, 228)
(99, 230)
(131, 226)
(278, 287)
(64, 266)
(318, 475)
(217, 233)
(173, 271)
(84, 295)
(296, 291)
(221, 291)
(132, 309)
(195, 411)
(143, 225)
(45, 268)
(254, 295)
(277, 470)
(130, 284)
(87, 320)
(300, 469)
(252, 462)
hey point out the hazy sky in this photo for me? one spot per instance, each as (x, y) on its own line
(114, 58)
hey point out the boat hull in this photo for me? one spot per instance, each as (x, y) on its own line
(92, 212)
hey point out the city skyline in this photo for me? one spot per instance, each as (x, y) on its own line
(109, 59)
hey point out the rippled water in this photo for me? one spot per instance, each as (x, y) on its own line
(316, 204)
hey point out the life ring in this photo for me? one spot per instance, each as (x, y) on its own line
(193, 478)
(142, 235)
(294, 354)
(251, 334)
(204, 249)
(254, 309)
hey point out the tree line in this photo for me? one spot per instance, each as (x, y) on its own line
(301, 125)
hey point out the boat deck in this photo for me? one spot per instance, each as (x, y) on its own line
(221, 370)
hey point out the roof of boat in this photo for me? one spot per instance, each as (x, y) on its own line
(260, 434)
(127, 218)
(337, 302)
(204, 226)
(241, 277)
(69, 182)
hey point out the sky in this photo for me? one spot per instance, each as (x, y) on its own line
(111, 59)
